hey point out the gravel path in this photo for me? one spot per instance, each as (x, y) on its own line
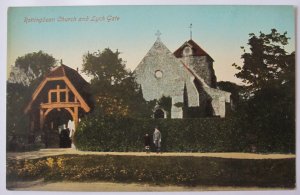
(54, 152)
(117, 187)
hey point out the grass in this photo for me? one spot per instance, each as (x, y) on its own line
(186, 171)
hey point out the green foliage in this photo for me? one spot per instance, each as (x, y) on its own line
(36, 64)
(179, 104)
(267, 115)
(266, 61)
(233, 88)
(105, 66)
(180, 135)
(166, 103)
(114, 87)
(125, 134)
(159, 170)
(17, 96)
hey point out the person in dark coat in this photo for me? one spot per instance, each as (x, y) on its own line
(147, 142)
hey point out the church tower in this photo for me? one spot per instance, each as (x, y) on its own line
(198, 60)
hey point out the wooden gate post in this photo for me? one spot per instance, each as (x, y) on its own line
(41, 119)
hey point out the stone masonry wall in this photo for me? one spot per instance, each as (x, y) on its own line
(203, 66)
(172, 81)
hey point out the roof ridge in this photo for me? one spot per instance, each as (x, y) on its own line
(197, 49)
(63, 69)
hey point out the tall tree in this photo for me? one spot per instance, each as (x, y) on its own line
(266, 61)
(268, 113)
(105, 66)
(25, 76)
(35, 65)
(114, 87)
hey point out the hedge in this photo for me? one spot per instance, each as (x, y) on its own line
(178, 135)
(162, 170)
(181, 135)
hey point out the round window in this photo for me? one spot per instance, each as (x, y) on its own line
(158, 74)
(187, 51)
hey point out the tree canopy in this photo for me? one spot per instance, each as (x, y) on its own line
(265, 61)
(35, 65)
(105, 66)
(29, 68)
(268, 112)
(113, 86)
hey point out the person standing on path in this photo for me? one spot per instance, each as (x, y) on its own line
(157, 139)
(147, 142)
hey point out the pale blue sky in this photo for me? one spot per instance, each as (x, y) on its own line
(219, 30)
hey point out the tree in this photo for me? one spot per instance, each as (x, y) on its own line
(25, 76)
(266, 62)
(233, 88)
(114, 87)
(105, 66)
(35, 65)
(268, 113)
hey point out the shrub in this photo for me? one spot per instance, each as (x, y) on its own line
(178, 135)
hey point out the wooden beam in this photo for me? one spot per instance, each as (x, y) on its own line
(57, 93)
(67, 94)
(41, 119)
(38, 90)
(76, 117)
(83, 104)
(60, 105)
(77, 96)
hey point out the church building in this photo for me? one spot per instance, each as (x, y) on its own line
(186, 76)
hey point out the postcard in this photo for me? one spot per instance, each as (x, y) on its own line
(156, 98)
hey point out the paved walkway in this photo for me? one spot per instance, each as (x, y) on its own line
(54, 152)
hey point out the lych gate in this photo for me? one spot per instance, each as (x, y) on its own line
(59, 99)
(62, 96)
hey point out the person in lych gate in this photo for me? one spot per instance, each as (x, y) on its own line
(147, 142)
(71, 126)
(157, 139)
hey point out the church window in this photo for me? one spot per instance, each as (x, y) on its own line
(159, 113)
(158, 74)
(187, 51)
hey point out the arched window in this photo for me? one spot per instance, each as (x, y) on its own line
(159, 113)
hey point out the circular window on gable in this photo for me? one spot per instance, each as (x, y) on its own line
(187, 51)
(158, 74)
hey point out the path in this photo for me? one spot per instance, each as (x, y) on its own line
(118, 187)
(54, 152)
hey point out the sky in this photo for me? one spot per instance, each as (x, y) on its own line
(68, 33)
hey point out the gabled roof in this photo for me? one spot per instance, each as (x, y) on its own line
(197, 50)
(158, 52)
(73, 80)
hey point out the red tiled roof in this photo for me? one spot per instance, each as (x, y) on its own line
(197, 50)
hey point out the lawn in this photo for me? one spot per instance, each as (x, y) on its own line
(162, 170)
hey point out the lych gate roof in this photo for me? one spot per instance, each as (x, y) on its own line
(76, 80)
(197, 50)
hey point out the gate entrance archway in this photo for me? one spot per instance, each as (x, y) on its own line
(64, 92)
(55, 123)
